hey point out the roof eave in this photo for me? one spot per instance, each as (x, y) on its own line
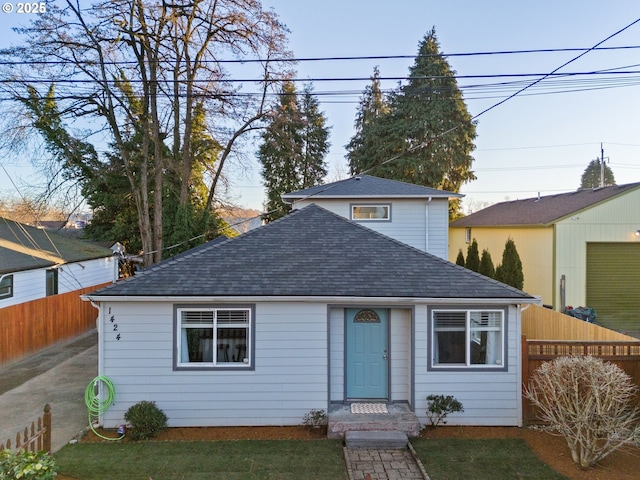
(312, 196)
(311, 299)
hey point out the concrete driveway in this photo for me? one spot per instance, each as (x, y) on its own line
(58, 376)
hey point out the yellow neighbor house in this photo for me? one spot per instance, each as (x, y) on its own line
(577, 249)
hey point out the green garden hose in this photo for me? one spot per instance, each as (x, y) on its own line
(95, 405)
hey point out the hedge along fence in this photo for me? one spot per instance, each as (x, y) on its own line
(34, 439)
(31, 326)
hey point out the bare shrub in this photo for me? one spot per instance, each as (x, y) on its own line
(588, 401)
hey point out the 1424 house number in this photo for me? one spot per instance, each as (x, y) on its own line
(114, 325)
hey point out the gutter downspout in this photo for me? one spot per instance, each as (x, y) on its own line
(426, 225)
(100, 330)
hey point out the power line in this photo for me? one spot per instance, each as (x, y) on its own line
(540, 147)
(337, 58)
(77, 81)
(553, 72)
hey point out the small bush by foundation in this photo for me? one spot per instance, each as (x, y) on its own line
(146, 420)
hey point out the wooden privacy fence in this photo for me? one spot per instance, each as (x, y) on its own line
(626, 355)
(36, 438)
(546, 324)
(31, 326)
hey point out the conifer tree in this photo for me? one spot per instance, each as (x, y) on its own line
(473, 257)
(510, 270)
(293, 148)
(373, 106)
(427, 135)
(315, 140)
(460, 258)
(486, 267)
(591, 175)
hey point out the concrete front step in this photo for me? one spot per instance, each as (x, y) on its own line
(400, 418)
(384, 439)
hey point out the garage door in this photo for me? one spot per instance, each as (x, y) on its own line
(613, 284)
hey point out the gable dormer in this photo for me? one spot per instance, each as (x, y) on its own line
(412, 214)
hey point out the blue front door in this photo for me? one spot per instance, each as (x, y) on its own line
(367, 354)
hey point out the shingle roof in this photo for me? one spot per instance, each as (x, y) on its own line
(24, 248)
(542, 210)
(367, 186)
(311, 252)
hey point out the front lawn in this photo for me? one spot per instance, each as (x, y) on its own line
(497, 459)
(443, 458)
(231, 460)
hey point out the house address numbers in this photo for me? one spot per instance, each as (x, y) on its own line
(114, 325)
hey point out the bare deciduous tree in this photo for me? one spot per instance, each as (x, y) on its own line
(136, 71)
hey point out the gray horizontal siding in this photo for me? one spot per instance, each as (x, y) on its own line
(290, 376)
(488, 398)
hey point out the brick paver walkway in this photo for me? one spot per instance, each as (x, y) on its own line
(383, 464)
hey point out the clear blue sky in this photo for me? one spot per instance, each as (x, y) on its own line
(530, 144)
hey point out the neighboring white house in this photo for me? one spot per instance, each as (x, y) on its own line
(308, 312)
(35, 263)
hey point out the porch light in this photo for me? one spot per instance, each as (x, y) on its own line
(637, 233)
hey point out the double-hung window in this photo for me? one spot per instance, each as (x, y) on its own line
(467, 338)
(214, 337)
(6, 286)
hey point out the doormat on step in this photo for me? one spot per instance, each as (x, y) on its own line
(378, 408)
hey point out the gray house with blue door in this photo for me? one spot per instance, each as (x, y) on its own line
(311, 311)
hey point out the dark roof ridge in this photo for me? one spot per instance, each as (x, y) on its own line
(380, 187)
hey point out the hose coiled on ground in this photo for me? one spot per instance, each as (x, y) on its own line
(97, 406)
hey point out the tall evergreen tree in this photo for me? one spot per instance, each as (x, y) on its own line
(591, 175)
(510, 270)
(293, 148)
(486, 267)
(315, 138)
(427, 135)
(473, 257)
(373, 106)
(460, 258)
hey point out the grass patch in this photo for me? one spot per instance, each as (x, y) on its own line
(453, 459)
(231, 460)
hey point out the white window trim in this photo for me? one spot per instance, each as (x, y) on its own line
(215, 365)
(501, 365)
(360, 205)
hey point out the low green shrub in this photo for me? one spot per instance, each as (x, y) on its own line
(439, 406)
(146, 420)
(26, 465)
(315, 419)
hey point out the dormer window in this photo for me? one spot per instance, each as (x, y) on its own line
(371, 212)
